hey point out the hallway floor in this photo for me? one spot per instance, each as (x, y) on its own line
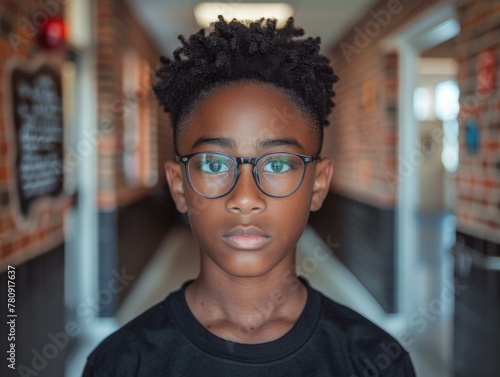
(177, 261)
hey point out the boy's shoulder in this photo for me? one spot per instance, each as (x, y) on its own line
(156, 317)
(152, 328)
(367, 343)
(348, 322)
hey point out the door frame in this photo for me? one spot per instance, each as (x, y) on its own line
(434, 26)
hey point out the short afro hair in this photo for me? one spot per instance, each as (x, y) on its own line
(247, 51)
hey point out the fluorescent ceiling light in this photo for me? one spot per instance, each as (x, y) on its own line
(205, 13)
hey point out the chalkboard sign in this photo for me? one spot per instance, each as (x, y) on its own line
(38, 131)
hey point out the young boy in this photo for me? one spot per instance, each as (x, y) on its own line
(248, 104)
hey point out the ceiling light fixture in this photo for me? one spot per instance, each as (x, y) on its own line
(205, 13)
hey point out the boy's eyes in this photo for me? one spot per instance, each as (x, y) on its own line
(215, 165)
(271, 164)
(276, 165)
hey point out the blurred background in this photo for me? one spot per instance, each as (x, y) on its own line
(90, 236)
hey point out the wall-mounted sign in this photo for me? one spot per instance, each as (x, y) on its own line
(37, 117)
(472, 135)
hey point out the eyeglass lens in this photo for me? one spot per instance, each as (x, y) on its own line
(213, 174)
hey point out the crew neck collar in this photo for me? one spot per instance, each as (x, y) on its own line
(260, 352)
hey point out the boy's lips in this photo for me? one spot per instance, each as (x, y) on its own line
(246, 237)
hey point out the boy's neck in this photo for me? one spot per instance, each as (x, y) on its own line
(242, 306)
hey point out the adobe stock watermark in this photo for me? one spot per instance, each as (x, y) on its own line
(468, 107)
(120, 108)
(408, 165)
(418, 322)
(30, 27)
(471, 103)
(380, 19)
(86, 144)
(87, 311)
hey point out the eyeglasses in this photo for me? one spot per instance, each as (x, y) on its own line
(214, 174)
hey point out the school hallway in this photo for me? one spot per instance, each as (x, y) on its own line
(408, 235)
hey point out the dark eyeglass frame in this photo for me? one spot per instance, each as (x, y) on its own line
(246, 160)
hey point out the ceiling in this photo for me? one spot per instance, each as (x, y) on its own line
(329, 19)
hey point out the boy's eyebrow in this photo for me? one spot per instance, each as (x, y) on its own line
(219, 141)
(289, 142)
(230, 143)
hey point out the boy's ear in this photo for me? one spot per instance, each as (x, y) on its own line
(322, 179)
(173, 172)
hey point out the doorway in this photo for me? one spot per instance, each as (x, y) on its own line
(425, 222)
(436, 107)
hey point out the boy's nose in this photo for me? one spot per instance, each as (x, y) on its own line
(246, 196)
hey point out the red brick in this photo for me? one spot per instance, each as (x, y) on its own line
(4, 173)
(16, 245)
(488, 183)
(493, 224)
(39, 236)
(7, 249)
(33, 240)
(25, 241)
(491, 145)
(7, 224)
(4, 149)
(44, 233)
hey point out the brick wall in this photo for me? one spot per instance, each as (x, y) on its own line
(363, 135)
(363, 141)
(478, 176)
(33, 244)
(119, 34)
(133, 215)
(21, 238)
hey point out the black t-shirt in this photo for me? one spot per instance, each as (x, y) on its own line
(327, 340)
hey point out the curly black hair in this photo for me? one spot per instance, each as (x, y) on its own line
(247, 51)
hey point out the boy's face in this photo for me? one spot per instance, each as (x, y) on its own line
(248, 120)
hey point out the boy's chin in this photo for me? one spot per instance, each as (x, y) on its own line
(249, 266)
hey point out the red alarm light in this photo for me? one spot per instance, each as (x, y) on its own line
(52, 33)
